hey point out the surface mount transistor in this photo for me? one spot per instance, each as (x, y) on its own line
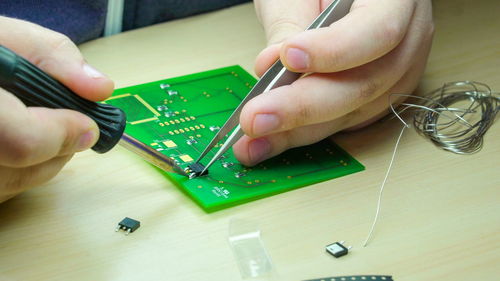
(337, 249)
(194, 170)
(128, 225)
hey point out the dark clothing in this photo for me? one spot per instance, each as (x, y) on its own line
(83, 20)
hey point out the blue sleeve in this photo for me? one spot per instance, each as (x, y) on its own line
(80, 20)
(83, 20)
(140, 13)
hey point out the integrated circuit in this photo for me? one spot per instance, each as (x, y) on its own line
(179, 116)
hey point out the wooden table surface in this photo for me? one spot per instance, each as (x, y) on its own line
(440, 217)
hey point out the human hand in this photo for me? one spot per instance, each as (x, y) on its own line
(379, 48)
(36, 142)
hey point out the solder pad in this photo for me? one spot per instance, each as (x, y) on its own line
(179, 116)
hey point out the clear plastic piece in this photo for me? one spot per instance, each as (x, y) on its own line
(251, 256)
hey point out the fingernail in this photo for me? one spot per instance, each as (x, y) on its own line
(297, 59)
(92, 72)
(86, 141)
(258, 149)
(264, 124)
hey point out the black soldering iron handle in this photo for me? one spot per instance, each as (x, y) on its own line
(35, 88)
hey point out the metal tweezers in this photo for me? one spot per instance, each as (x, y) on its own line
(276, 76)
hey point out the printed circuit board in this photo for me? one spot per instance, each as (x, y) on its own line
(179, 116)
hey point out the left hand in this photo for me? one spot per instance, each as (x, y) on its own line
(379, 48)
(36, 142)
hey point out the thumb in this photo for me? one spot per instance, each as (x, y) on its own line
(57, 55)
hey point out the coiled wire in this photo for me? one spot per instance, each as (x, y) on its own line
(454, 117)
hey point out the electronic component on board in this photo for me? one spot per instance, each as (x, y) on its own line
(239, 174)
(337, 249)
(128, 225)
(161, 108)
(170, 114)
(194, 170)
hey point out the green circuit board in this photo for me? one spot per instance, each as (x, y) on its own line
(179, 116)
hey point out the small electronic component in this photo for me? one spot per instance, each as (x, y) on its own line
(338, 249)
(194, 170)
(214, 128)
(170, 114)
(191, 141)
(239, 174)
(164, 86)
(128, 225)
(227, 164)
(172, 93)
(161, 108)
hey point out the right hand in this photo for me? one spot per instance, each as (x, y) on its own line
(36, 142)
(354, 65)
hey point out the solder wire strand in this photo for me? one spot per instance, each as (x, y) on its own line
(383, 185)
(391, 162)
